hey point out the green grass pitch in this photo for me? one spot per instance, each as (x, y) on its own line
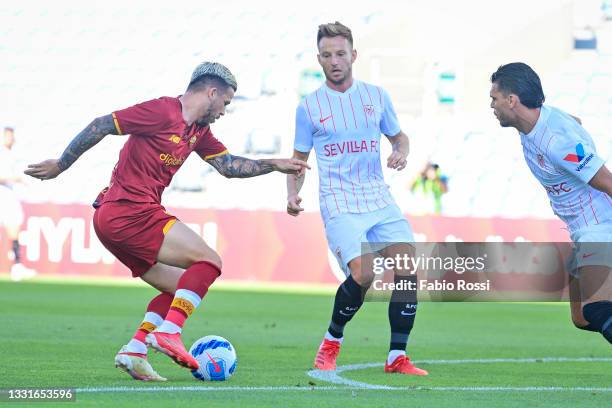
(66, 335)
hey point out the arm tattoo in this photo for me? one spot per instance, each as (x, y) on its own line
(85, 140)
(299, 181)
(240, 167)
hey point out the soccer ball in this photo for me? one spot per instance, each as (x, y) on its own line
(216, 356)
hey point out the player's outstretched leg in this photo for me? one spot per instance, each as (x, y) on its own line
(402, 312)
(349, 298)
(191, 288)
(132, 358)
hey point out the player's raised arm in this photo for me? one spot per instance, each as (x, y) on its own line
(89, 137)
(232, 166)
(294, 185)
(401, 147)
(602, 180)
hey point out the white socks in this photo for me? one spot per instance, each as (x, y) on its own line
(169, 327)
(137, 346)
(193, 301)
(328, 336)
(393, 354)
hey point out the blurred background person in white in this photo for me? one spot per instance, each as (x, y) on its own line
(11, 213)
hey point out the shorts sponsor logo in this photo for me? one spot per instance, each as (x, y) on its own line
(170, 160)
(338, 253)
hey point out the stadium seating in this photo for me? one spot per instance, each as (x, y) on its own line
(65, 67)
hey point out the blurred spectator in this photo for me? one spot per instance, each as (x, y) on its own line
(11, 214)
(428, 189)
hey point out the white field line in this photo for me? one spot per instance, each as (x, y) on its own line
(342, 383)
(334, 377)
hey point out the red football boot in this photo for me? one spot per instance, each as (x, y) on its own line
(172, 346)
(327, 354)
(403, 365)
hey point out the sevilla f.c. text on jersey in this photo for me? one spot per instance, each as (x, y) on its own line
(345, 130)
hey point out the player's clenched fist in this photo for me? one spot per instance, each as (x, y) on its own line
(396, 161)
(293, 205)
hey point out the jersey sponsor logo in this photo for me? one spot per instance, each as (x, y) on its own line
(579, 157)
(585, 162)
(193, 140)
(175, 139)
(170, 160)
(350, 146)
(576, 158)
(558, 189)
(540, 158)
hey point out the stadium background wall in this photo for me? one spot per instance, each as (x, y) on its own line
(259, 246)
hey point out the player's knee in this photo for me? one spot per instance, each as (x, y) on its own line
(207, 255)
(363, 276)
(579, 322)
(167, 287)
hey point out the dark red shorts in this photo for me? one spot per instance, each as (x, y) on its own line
(133, 232)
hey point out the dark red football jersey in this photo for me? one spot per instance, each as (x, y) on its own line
(159, 143)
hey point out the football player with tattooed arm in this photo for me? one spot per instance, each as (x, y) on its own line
(130, 220)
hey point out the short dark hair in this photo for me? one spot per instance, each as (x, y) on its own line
(334, 30)
(206, 81)
(519, 79)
